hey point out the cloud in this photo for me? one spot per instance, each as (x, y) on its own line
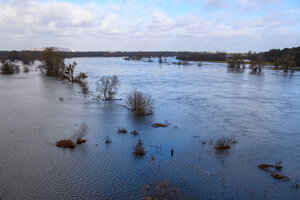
(147, 25)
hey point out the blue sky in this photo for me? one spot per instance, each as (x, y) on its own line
(150, 25)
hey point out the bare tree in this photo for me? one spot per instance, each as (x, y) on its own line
(257, 63)
(108, 86)
(289, 63)
(69, 72)
(140, 103)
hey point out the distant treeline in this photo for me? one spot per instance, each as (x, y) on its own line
(272, 56)
(202, 56)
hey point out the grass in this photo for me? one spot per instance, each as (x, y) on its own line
(65, 144)
(224, 143)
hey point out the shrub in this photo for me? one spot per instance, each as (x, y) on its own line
(65, 144)
(80, 133)
(134, 132)
(279, 176)
(108, 86)
(139, 149)
(26, 69)
(84, 87)
(257, 63)
(69, 71)
(81, 76)
(236, 61)
(265, 166)
(107, 141)
(8, 68)
(122, 130)
(27, 58)
(140, 103)
(224, 143)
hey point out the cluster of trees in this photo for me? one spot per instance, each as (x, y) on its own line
(53, 65)
(202, 56)
(277, 54)
(236, 61)
(26, 57)
(7, 67)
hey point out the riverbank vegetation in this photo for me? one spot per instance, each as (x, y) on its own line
(140, 103)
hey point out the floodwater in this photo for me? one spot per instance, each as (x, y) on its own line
(261, 111)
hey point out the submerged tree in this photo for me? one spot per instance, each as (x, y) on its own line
(257, 63)
(69, 72)
(108, 87)
(53, 62)
(7, 68)
(140, 103)
(288, 62)
(236, 62)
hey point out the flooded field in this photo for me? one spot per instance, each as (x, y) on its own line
(200, 104)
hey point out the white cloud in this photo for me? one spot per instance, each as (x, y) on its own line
(126, 25)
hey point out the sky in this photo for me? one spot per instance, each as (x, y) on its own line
(150, 25)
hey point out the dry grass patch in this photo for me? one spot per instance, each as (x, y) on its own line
(122, 130)
(134, 132)
(65, 144)
(224, 143)
(157, 125)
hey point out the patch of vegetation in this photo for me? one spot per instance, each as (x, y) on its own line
(80, 133)
(224, 143)
(296, 186)
(139, 149)
(236, 61)
(278, 165)
(53, 62)
(122, 130)
(107, 141)
(157, 125)
(8, 68)
(134, 132)
(69, 72)
(257, 63)
(26, 69)
(279, 176)
(108, 87)
(140, 103)
(66, 143)
(265, 166)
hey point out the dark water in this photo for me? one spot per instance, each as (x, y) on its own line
(261, 111)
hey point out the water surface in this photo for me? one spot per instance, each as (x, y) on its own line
(261, 111)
